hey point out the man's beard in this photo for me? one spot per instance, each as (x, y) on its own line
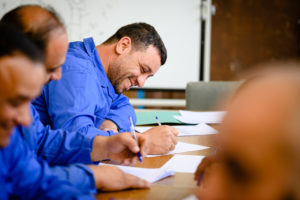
(118, 86)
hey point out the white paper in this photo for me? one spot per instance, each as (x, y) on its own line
(190, 197)
(187, 130)
(150, 174)
(182, 147)
(183, 163)
(191, 117)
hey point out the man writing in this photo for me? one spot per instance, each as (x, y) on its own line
(89, 96)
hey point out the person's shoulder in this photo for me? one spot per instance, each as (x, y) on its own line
(77, 59)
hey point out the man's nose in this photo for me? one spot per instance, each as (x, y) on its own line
(141, 80)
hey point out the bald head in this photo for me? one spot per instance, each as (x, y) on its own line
(46, 30)
(259, 139)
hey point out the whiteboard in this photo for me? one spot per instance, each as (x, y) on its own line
(177, 21)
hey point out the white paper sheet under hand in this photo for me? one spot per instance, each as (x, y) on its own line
(187, 130)
(150, 174)
(183, 163)
(182, 147)
(191, 117)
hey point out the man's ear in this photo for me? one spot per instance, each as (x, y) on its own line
(123, 45)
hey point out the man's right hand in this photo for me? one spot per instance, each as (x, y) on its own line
(160, 139)
(109, 178)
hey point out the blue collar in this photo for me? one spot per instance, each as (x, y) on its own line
(91, 50)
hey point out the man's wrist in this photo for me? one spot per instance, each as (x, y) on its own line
(99, 151)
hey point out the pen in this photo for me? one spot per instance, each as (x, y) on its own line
(200, 178)
(157, 120)
(134, 137)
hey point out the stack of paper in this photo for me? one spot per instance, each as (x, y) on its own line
(191, 117)
(183, 163)
(150, 174)
(182, 147)
(187, 130)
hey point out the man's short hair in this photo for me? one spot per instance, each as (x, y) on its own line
(38, 32)
(13, 41)
(142, 35)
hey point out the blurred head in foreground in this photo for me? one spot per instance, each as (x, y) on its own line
(259, 140)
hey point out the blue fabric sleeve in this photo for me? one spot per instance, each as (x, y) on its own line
(120, 111)
(73, 100)
(81, 176)
(25, 177)
(59, 146)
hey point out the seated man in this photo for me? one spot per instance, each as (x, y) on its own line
(57, 146)
(89, 98)
(258, 156)
(22, 176)
(19, 61)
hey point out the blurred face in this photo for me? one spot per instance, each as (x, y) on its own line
(56, 54)
(253, 160)
(20, 82)
(132, 68)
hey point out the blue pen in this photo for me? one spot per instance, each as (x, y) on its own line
(157, 120)
(134, 137)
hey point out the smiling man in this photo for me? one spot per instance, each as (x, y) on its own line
(89, 96)
(22, 74)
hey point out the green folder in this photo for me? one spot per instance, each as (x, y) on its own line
(148, 117)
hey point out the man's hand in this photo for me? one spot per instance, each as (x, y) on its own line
(109, 125)
(121, 148)
(160, 139)
(205, 163)
(109, 178)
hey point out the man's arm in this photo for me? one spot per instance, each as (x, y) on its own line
(120, 111)
(62, 147)
(75, 102)
(31, 178)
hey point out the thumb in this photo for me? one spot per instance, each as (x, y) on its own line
(130, 143)
(135, 182)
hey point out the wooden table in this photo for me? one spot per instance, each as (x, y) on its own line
(175, 187)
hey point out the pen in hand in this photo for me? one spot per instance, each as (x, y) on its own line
(134, 137)
(157, 120)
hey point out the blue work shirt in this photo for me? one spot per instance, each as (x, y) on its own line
(84, 97)
(57, 147)
(23, 176)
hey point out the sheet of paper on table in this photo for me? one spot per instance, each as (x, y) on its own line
(182, 147)
(192, 117)
(150, 174)
(186, 130)
(183, 163)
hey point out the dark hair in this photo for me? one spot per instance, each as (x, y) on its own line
(142, 35)
(13, 41)
(37, 30)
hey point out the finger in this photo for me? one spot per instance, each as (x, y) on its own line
(173, 138)
(173, 130)
(201, 167)
(172, 147)
(135, 182)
